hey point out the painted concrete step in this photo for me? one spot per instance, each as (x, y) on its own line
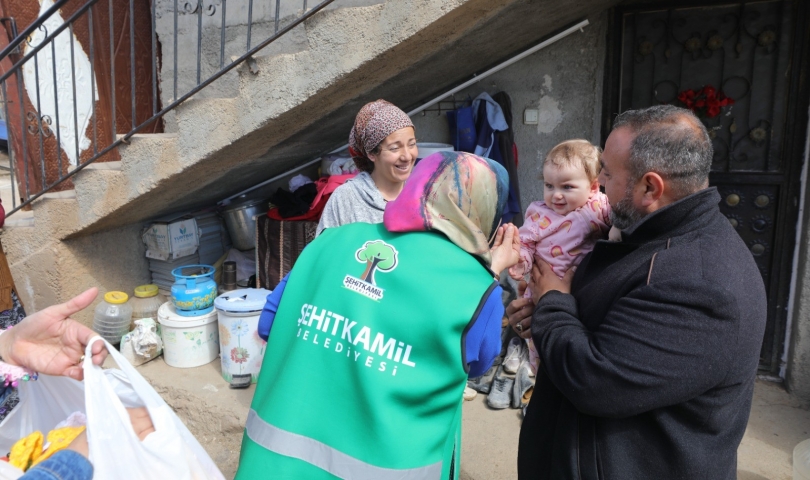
(148, 159)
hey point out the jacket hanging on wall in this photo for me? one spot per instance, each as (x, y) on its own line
(495, 140)
(462, 129)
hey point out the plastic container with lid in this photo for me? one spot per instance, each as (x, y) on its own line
(238, 313)
(145, 303)
(113, 316)
(188, 341)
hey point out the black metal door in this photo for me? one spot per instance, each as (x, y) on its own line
(744, 60)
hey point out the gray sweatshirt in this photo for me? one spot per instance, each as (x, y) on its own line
(357, 200)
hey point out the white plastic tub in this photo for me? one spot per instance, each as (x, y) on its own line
(188, 341)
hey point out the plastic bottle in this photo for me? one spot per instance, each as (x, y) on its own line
(113, 316)
(801, 461)
(145, 303)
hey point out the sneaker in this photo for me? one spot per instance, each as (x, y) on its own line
(469, 393)
(501, 391)
(523, 386)
(483, 383)
(514, 355)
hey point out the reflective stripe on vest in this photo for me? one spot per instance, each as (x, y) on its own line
(327, 458)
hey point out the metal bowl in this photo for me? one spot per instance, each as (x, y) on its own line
(240, 219)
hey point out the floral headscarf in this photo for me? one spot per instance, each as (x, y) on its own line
(458, 194)
(374, 122)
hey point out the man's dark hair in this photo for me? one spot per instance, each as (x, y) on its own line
(671, 142)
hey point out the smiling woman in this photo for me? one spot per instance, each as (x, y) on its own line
(382, 143)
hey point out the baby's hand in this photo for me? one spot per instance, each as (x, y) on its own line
(516, 272)
(615, 235)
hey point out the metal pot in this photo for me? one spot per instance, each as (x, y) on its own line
(240, 220)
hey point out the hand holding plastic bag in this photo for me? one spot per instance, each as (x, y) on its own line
(116, 452)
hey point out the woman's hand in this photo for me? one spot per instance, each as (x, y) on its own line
(50, 342)
(505, 249)
(519, 312)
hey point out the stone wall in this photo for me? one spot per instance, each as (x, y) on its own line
(48, 271)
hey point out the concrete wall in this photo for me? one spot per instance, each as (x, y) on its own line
(564, 81)
(47, 271)
(798, 353)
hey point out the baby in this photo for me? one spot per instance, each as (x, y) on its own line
(573, 215)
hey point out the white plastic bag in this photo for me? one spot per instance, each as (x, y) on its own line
(43, 404)
(116, 452)
(8, 472)
(171, 452)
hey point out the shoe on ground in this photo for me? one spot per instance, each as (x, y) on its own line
(523, 387)
(514, 355)
(483, 383)
(501, 393)
(469, 393)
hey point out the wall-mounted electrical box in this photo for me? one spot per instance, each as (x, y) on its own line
(531, 116)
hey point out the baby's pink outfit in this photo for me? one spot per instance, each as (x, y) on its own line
(562, 241)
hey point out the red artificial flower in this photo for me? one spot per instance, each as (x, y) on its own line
(686, 95)
(706, 101)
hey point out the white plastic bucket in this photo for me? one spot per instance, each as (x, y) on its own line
(188, 341)
(242, 348)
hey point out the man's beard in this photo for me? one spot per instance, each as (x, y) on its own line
(624, 214)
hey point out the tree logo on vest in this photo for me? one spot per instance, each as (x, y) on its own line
(378, 256)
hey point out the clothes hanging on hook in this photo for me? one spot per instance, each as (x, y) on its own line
(462, 128)
(489, 119)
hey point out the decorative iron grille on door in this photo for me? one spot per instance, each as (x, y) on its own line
(733, 64)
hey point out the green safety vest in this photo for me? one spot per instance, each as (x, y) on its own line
(364, 371)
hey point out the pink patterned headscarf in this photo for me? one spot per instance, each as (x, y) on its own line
(458, 194)
(374, 122)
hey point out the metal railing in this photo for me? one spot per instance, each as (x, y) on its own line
(47, 66)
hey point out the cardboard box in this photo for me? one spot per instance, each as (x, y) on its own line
(171, 240)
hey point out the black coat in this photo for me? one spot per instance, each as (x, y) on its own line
(648, 367)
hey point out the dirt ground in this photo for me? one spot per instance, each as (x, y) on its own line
(777, 423)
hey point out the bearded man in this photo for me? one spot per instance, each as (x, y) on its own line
(649, 351)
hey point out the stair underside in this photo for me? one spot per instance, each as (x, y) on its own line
(302, 104)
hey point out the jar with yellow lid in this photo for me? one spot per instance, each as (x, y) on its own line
(145, 303)
(113, 316)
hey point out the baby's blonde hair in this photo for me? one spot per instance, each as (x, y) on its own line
(576, 153)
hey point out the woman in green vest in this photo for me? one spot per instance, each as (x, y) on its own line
(371, 340)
